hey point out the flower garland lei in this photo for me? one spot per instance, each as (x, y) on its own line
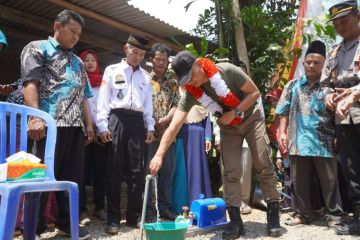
(222, 91)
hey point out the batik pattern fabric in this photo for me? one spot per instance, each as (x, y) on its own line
(311, 129)
(17, 96)
(165, 95)
(63, 82)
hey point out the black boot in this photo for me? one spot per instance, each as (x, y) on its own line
(353, 227)
(273, 219)
(235, 227)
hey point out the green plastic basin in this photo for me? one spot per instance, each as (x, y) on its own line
(165, 231)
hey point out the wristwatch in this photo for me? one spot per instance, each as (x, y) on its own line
(238, 113)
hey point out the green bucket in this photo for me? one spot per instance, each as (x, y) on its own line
(165, 231)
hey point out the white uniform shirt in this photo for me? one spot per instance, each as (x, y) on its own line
(124, 88)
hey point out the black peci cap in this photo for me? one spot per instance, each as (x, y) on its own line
(138, 41)
(316, 47)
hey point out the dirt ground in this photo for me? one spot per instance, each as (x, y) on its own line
(255, 228)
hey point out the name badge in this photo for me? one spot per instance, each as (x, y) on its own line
(119, 82)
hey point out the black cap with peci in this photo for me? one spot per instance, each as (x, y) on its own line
(138, 41)
(342, 9)
(182, 64)
(317, 47)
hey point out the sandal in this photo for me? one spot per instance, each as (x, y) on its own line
(295, 220)
(245, 209)
(333, 221)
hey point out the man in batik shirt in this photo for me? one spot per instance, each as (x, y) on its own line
(307, 131)
(165, 96)
(55, 81)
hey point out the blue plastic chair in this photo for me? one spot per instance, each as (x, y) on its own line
(11, 191)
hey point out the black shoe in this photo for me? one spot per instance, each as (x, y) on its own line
(83, 233)
(273, 219)
(235, 227)
(112, 228)
(168, 214)
(353, 227)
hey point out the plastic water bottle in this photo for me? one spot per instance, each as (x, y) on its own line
(186, 217)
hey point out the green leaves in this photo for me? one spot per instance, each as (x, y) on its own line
(274, 47)
(191, 47)
(204, 46)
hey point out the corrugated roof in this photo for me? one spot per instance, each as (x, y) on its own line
(121, 11)
(118, 10)
(28, 20)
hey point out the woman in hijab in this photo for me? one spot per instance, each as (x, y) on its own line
(95, 152)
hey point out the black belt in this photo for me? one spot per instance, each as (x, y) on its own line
(126, 111)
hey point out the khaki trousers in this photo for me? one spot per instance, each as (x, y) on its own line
(232, 137)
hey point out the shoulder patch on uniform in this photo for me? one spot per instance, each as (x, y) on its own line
(334, 50)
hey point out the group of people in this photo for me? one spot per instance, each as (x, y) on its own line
(111, 121)
(319, 125)
(124, 122)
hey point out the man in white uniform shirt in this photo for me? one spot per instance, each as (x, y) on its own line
(125, 123)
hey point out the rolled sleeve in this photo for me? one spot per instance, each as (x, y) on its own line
(283, 106)
(32, 63)
(186, 102)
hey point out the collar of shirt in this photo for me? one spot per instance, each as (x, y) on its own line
(349, 44)
(304, 81)
(57, 45)
(154, 77)
(126, 66)
(53, 42)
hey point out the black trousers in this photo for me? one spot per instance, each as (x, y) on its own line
(95, 161)
(326, 169)
(68, 166)
(126, 155)
(348, 140)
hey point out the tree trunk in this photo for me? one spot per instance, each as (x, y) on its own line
(239, 34)
(218, 15)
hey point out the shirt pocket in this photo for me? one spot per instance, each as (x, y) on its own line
(119, 86)
(318, 104)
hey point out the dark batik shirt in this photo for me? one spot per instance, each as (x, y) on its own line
(63, 80)
(311, 130)
(165, 95)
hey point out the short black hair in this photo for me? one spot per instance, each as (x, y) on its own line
(66, 15)
(163, 48)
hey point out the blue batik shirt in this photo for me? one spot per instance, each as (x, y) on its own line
(64, 84)
(311, 129)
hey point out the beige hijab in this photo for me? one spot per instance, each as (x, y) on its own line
(196, 114)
